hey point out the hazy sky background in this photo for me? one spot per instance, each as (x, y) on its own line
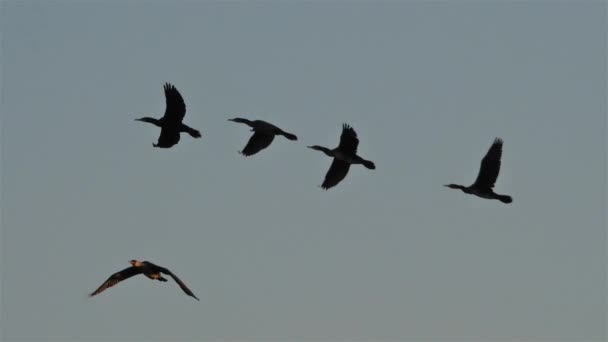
(388, 254)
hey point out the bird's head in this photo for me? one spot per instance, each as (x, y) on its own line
(135, 263)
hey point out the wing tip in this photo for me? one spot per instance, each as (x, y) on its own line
(169, 87)
(325, 186)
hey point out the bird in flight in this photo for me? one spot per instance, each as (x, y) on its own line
(146, 268)
(171, 123)
(263, 135)
(488, 173)
(344, 155)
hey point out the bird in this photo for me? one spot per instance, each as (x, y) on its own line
(146, 268)
(344, 155)
(488, 173)
(171, 123)
(263, 135)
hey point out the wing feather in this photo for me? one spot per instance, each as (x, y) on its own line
(169, 136)
(179, 282)
(348, 140)
(336, 173)
(176, 108)
(117, 278)
(257, 142)
(490, 166)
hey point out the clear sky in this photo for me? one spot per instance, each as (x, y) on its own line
(389, 254)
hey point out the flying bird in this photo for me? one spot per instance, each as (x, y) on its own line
(344, 155)
(263, 135)
(171, 123)
(146, 268)
(488, 173)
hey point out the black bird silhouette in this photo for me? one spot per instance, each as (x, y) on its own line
(146, 268)
(171, 123)
(263, 135)
(488, 173)
(344, 155)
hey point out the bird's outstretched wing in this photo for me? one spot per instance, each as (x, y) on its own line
(179, 282)
(176, 108)
(117, 278)
(490, 166)
(257, 142)
(348, 140)
(336, 173)
(168, 137)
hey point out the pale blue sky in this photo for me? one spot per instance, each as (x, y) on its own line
(388, 254)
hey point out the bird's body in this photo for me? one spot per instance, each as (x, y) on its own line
(171, 123)
(488, 173)
(351, 159)
(343, 157)
(263, 135)
(146, 268)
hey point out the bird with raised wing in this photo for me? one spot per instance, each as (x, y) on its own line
(146, 268)
(343, 157)
(171, 124)
(488, 173)
(263, 135)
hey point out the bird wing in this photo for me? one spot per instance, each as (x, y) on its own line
(490, 166)
(336, 173)
(117, 278)
(257, 142)
(179, 282)
(169, 136)
(176, 108)
(348, 140)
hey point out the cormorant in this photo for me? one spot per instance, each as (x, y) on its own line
(488, 173)
(171, 123)
(263, 136)
(344, 155)
(146, 268)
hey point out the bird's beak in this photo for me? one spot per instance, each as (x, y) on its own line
(446, 185)
(309, 146)
(230, 119)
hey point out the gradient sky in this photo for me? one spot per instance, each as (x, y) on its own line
(388, 254)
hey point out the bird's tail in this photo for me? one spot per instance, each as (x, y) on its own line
(368, 164)
(193, 132)
(289, 135)
(504, 198)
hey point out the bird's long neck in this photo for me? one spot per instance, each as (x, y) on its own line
(325, 150)
(242, 120)
(153, 121)
(461, 187)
